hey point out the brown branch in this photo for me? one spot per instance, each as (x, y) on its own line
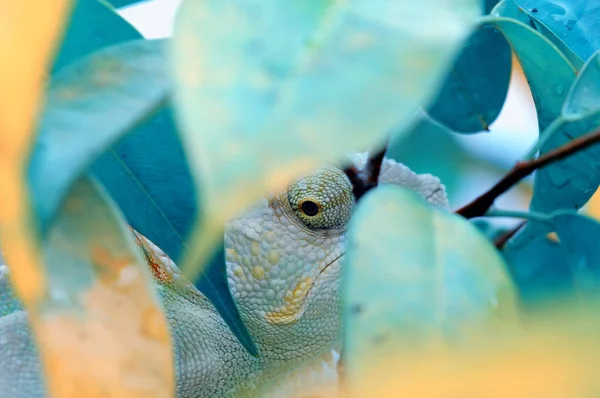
(500, 241)
(365, 180)
(482, 204)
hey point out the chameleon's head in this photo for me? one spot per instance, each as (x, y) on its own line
(283, 254)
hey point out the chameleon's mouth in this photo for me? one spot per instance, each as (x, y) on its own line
(323, 270)
(296, 301)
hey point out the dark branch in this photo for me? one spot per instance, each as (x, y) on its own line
(482, 204)
(500, 241)
(365, 180)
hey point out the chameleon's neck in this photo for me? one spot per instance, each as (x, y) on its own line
(313, 335)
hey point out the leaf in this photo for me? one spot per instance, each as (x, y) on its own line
(27, 44)
(564, 184)
(579, 236)
(540, 270)
(490, 230)
(417, 277)
(488, 5)
(101, 319)
(571, 182)
(573, 23)
(583, 100)
(90, 105)
(475, 87)
(556, 356)
(123, 3)
(147, 175)
(93, 25)
(296, 84)
(429, 147)
(548, 72)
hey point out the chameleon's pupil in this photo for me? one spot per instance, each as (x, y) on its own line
(310, 208)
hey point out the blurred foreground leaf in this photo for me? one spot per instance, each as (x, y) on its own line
(27, 43)
(417, 277)
(90, 105)
(92, 25)
(556, 356)
(100, 322)
(296, 84)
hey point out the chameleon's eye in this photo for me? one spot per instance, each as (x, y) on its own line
(309, 208)
(322, 201)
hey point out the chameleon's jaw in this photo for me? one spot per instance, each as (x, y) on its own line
(296, 301)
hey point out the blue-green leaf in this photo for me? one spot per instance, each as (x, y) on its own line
(93, 25)
(89, 106)
(569, 268)
(429, 147)
(476, 85)
(548, 72)
(549, 75)
(277, 88)
(570, 182)
(540, 270)
(488, 5)
(416, 276)
(579, 235)
(123, 3)
(583, 100)
(573, 23)
(147, 175)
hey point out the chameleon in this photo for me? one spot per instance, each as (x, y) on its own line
(284, 258)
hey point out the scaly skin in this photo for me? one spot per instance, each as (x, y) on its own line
(283, 266)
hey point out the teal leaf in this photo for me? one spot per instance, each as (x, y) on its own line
(147, 175)
(549, 75)
(540, 270)
(583, 100)
(570, 182)
(92, 26)
(572, 23)
(579, 235)
(415, 275)
(295, 84)
(8, 301)
(429, 147)
(476, 85)
(89, 106)
(123, 3)
(488, 5)
(548, 72)
(489, 229)
(569, 268)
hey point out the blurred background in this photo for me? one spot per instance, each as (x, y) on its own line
(478, 160)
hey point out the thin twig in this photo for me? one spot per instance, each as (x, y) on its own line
(365, 180)
(500, 241)
(482, 204)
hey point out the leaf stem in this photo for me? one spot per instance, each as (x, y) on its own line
(480, 205)
(544, 138)
(527, 215)
(366, 179)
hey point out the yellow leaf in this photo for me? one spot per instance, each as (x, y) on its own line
(119, 345)
(30, 32)
(556, 355)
